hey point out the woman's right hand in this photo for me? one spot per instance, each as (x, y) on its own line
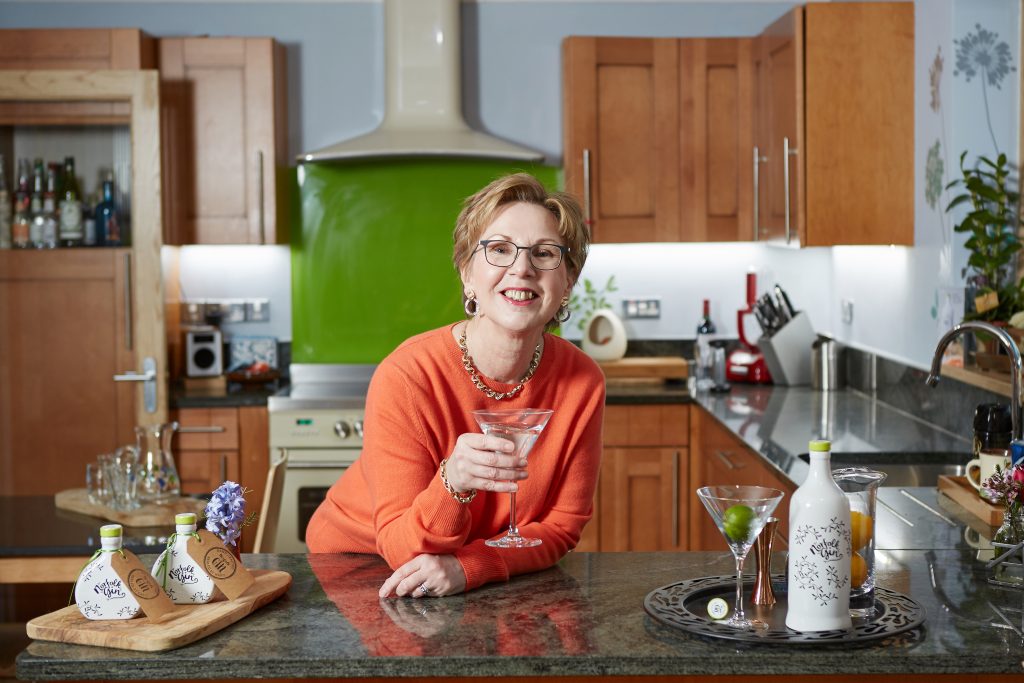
(484, 462)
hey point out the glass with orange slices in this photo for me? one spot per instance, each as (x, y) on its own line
(860, 485)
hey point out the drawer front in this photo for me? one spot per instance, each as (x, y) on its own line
(207, 428)
(647, 425)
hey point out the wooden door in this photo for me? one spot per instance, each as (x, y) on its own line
(779, 131)
(717, 121)
(640, 502)
(224, 135)
(621, 135)
(71, 319)
(860, 123)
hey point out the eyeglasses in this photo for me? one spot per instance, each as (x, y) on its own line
(503, 254)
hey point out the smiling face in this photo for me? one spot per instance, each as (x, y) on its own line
(519, 298)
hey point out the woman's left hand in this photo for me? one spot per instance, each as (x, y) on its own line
(439, 574)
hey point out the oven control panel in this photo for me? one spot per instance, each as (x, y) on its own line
(316, 428)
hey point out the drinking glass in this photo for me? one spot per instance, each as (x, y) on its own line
(121, 469)
(96, 485)
(521, 427)
(860, 484)
(740, 512)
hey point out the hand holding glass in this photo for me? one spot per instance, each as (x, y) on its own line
(521, 427)
(740, 512)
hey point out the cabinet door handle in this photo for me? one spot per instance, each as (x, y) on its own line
(212, 429)
(786, 153)
(758, 160)
(724, 457)
(260, 195)
(223, 467)
(586, 188)
(675, 499)
(128, 301)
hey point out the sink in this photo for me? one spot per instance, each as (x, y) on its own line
(905, 469)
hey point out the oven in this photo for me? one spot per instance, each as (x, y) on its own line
(316, 428)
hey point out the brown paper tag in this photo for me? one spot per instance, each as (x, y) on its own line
(986, 302)
(152, 598)
(227, 572)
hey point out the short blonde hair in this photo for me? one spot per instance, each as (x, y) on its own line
(479, 211)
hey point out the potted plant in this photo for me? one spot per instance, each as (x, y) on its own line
(991, 224)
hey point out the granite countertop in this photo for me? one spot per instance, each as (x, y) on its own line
(236, 396)
(584, 617)
(640, 392)
(778, 423)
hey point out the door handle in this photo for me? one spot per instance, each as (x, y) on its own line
(213, 429)
(260, 195)
(586, 188)
(786, 153)
(223, 466)
(758, 160)
(675, 499)
(148, 379)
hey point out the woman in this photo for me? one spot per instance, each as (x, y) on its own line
(429, 488)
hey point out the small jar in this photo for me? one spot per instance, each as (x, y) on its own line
(181, 577)
(99, 591)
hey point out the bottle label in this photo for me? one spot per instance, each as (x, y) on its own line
(70, 220)
(822, 559)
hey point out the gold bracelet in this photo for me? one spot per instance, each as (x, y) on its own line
(463, 498)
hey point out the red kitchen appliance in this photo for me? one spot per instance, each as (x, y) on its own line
(746, 364)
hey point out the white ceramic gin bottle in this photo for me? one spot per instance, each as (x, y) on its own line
(181, 577)
(99, 591)
(819, 549)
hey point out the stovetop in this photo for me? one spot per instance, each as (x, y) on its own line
(323, 386)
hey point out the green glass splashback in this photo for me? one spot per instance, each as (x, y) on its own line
(371, 264)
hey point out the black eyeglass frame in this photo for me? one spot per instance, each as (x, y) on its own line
(562, 251)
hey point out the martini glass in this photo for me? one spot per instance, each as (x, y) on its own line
(522, 427)
(740, 512)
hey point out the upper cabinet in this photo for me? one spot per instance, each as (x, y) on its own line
(621, 135)
(802, 135)
(224, 138)
(834, 133)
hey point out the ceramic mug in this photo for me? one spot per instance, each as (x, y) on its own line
(985, 464)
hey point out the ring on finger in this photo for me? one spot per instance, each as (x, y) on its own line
(423, 590)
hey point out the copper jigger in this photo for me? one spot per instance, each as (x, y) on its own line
(763, 594)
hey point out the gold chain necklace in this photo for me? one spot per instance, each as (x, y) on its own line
(467, 363)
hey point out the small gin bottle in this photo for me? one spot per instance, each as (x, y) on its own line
(819, 549)
(99, 591)
(182, 578)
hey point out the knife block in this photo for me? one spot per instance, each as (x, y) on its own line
(787, 353)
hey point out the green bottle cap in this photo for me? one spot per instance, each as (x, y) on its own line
(110, 531)
(821, 446)
(185, 518)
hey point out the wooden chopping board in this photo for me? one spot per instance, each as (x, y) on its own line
(150, 514)
(187, 624)
(960, 490)
(653, 367)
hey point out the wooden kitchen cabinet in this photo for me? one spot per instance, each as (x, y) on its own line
(621, 135)
(72, 49)
(657, 137)
(720, 458)
(835, 125)
(224, 136)
(644, 478)
(214, 445)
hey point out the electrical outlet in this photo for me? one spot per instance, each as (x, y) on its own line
(846, 307)
(257, 310)
(234, 311)
(642, 308)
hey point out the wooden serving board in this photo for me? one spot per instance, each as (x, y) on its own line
(186, 624)
(960, 490)
(649, 367)
(150, 514)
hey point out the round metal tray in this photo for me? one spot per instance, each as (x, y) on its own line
(684, 605)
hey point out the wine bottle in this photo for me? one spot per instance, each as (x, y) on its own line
(703, 357)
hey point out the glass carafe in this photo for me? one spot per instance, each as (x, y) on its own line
(158, 481)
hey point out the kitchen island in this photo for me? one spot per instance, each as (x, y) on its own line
(583, 618)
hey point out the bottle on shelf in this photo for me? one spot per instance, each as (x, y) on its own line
(44, 223)
(72, 230)
(22, 219)
(35, 206)
(108, 220)
(820, 549)
(6, 208)
(703, 353)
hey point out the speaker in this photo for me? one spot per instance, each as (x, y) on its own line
(204, 353)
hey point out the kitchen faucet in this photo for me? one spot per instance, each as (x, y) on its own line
(1015, 363)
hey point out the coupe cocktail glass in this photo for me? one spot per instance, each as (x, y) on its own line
(740, 512)
(521, 427)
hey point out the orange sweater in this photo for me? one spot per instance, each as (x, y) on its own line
(392, 501)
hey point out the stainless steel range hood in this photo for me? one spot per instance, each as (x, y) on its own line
(423, 93)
